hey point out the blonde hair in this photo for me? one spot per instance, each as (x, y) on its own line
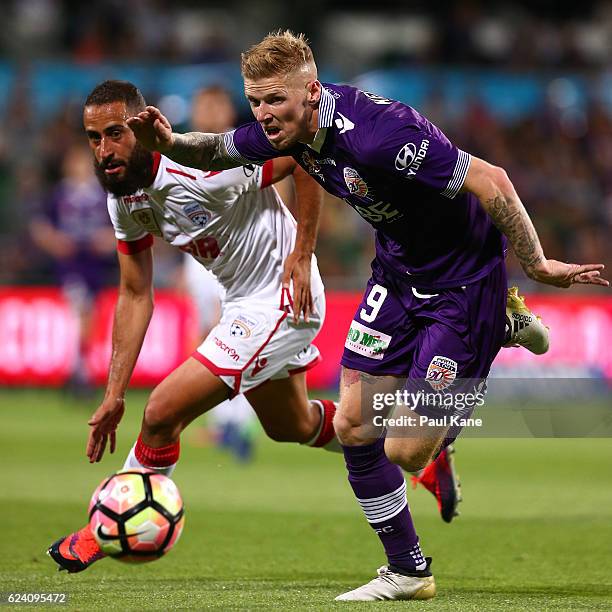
(279, 53)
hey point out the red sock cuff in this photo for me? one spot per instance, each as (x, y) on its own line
(164, 456)
(327, 432)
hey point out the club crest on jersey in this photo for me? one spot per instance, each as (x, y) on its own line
(367, 341)
(197, 214)
(242, 326)
(356, 185)
(145, 217)
(441, 372)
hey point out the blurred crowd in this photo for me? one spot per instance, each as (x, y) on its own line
(560, 159)
(353, 34)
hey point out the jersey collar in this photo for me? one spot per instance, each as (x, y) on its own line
(327, 108)
(155, 167)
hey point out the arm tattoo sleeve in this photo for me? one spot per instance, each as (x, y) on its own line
(511, 218)
(199, 150)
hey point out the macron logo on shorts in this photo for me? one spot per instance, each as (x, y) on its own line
(366, 341)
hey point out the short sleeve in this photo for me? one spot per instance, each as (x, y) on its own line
(126, 229)
(416, 154)
(248, 145)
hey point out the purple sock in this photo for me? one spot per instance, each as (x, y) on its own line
(380, 489)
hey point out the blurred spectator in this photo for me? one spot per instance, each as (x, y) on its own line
(73, 229)
(212, 110)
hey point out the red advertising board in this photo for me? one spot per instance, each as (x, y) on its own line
(580, 338)
(170, 338)
(39, 338)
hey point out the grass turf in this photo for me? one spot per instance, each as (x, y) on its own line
(285, 532)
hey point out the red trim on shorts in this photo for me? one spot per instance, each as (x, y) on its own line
(308, 366)
(237, 374)
(155, 167)
(131, 247)
(327, 432)
(217, 371)
(311, 364)
(267, 172)
(288, 304)
(176, 171)
(261, 348)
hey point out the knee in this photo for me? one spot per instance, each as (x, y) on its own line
(343, 428)
(350, 431)
(410, 457)
(158, 416)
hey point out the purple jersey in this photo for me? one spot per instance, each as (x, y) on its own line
(79, 211)
(402, 175)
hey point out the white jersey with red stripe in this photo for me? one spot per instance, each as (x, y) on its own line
(232, 222)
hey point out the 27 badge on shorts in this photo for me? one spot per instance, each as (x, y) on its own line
(441, 372)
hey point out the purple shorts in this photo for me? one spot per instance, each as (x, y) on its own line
(431, 339)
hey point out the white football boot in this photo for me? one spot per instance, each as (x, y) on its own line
(390, 585)
(523, 328)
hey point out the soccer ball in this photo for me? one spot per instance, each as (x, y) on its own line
(136, 515)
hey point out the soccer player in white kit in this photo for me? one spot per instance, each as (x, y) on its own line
(234, 223)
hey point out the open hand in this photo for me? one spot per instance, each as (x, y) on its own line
(297, 268)
(152, 129)
(103, 425)
(560, 274)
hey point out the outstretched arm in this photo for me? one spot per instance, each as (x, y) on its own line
(132, 315)
(194, 149)
(498, 197)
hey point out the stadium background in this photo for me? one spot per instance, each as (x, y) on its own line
(524, 85)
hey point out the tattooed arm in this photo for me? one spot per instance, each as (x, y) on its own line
(498, 197)
(199, 150)
(194, 149)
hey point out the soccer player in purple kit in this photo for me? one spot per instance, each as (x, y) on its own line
(434, 309)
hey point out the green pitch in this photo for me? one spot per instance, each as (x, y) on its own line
(285, 533)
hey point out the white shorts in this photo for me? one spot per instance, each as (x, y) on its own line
(258, 341)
